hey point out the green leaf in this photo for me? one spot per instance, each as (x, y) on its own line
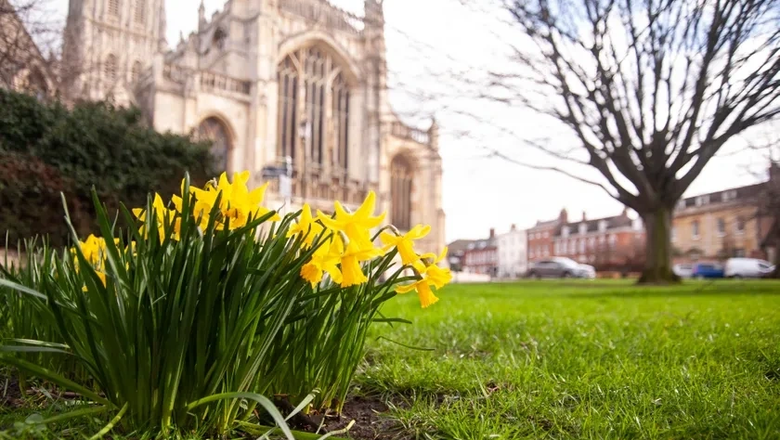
(53, 377)
(262, 400)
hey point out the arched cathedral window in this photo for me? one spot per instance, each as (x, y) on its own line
(139, 14)
(288, 107)
(313, 108)
(135, 73)
(401, 193)
(341, 121)
(110, 67)
(214, 130)
(113, 8)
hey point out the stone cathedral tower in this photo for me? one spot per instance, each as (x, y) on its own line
(109, 44)
(293, 85)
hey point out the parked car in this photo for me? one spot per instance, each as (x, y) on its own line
(707, 270)
(559, 267)
(747, 268)
(683, 270)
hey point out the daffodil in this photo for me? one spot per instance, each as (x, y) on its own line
(325, 259)
(356, 226)
(429, 275)
(350, 262)
(163, 215)
(424, 292)
(405, 243)
(236, 203)
(306, 227)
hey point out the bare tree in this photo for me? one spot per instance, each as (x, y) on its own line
(650, 89)
(25, 28)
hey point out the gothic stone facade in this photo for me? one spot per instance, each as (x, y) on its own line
(270, 83)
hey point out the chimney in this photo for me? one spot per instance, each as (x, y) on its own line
(492, 232)
(564, 216)
(584, 216)
(774, 172)
(513, 227)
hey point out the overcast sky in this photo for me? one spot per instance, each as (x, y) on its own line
(430, 44)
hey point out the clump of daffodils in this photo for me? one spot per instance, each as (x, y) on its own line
(342, 242)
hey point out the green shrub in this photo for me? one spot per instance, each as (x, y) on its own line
(47, 148)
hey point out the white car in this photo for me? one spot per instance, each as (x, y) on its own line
(683, 270)
(587, 271)
(747, 268)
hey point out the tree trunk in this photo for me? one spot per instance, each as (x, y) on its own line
(658, 248)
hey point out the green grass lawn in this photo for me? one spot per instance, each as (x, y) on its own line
(591, 359)
(584, 360)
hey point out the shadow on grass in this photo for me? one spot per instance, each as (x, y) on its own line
(708, 288)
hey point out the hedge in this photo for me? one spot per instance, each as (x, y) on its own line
(47, 149)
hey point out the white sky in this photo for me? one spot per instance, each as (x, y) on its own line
(429, 40)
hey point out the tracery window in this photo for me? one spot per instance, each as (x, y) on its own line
(401, 193)
(135, 73)
(139, 14)
(110, 67)
(113, 8)
(341, 121)
(215, 131)
(313, 97)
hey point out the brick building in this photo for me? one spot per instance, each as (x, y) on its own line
(720, 225)
(609, 243)
(481, 256)
(540, 237)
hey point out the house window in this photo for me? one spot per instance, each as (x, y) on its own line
(612, 241)
(739, 253)
(721, 224)
(695, 227)
(582, 246)
(565, 231)
(401, 192)
(730, 195)
(583, 228)
(740, 225)
(703, 200)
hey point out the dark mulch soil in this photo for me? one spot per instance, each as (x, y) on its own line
(10, 394)
(369, 413)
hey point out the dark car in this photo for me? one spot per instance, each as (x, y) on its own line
(559, 267)
(707, 270)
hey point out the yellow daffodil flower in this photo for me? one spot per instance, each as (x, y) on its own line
(306, 227)
(350, 263)
(430, 275)
(237, 204)
(163, 215)
(325, 259)
(356, 226)
(405, 243)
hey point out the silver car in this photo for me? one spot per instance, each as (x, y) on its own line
(560, 267)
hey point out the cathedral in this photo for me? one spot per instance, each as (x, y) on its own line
(293, 90)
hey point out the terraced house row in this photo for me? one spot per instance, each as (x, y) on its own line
(736, 222)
